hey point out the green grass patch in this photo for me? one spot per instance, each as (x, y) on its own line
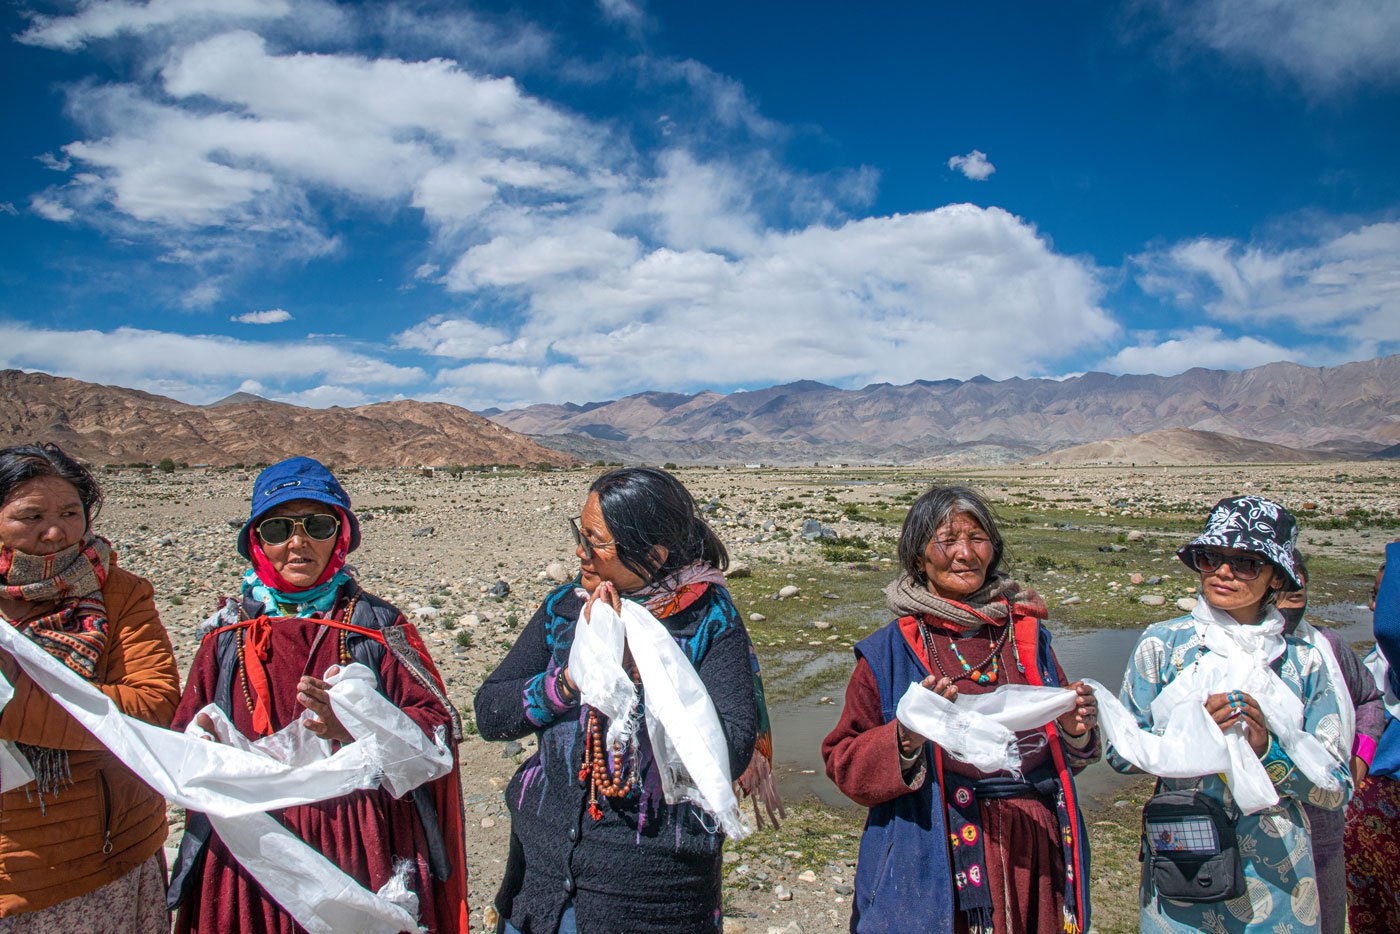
(1115, 873)
(812, 837)
(846, 549)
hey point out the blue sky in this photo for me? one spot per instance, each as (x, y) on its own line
(498, 204)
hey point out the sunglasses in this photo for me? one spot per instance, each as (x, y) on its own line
(1244, 567)
(588, 545)
(319, 528)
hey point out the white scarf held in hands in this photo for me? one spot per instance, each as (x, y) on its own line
(1240, 659)
(687, 742)
(980, 729)
(236, 784)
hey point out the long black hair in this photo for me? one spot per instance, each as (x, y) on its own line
(24, 462)
(645, 507)
(936, 506)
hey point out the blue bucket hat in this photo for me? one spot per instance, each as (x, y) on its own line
(1254, 524)
(296, 478)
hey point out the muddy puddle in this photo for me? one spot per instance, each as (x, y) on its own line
(800, 725)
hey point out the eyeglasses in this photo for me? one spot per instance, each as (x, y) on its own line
(588, 545)
(318, 528)
(1244, 567)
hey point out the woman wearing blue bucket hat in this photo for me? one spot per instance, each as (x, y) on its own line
(262, 661)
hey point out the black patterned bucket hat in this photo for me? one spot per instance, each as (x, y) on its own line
(1251, 523)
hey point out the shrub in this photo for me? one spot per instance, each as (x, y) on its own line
(166, 465)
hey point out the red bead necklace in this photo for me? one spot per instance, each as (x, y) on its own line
(595, 769)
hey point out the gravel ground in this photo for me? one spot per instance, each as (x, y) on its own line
(436, 547)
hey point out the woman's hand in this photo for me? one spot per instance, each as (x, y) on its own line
(910, 742)
(1085, 715)
(313, 694)
(1239, 707)
(206, 723)
(1359, 771)
(608, 594)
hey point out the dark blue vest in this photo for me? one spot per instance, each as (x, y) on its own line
(903, 879)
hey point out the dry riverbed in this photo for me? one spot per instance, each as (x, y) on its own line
(1098, 543)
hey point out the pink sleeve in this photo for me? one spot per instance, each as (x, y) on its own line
(1364, 749)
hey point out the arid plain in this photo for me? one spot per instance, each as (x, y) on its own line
(1097, 542)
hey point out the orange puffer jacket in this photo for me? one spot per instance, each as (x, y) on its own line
(107, 822)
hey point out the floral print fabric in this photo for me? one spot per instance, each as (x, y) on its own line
(133, 904)
(1373, 856)
(1281, 894)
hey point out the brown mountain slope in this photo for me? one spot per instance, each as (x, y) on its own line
(1181, 446)
(108, 424)
(1281, 403)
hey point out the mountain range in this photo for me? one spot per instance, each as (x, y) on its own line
(1350, 410)
(112, 425)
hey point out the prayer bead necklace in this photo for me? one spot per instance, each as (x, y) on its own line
(986, 672)
(595, 767)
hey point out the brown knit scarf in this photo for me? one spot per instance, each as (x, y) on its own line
(908, 597)
(75, 633)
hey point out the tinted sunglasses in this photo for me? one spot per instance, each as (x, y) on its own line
(318, 527)
(588, 545)
(1244, 567)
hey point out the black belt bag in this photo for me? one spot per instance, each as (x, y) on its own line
(1190, 849)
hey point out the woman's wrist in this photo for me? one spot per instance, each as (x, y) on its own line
(564, 688)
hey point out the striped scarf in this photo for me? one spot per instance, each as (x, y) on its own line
(76, 632)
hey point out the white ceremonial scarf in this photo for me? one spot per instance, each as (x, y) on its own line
(1240, 659)
(236, 784)
(1347, 710)
(1380, 670)
(980, 729)
(687, 743)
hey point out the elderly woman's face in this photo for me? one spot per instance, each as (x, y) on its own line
(43, 516)
(956, 559)
(603, 564)
(300, 559)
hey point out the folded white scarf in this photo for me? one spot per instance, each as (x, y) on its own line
(236, 784)
(687, 742)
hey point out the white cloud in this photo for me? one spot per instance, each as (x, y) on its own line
(225, 142)
(630, 14)
(51, 210)
(197, 368)
(974, 165)
(1203, 346)
(272, 316)
(479, 385)
(507, 261)
(706, 262)
(97, 20)
(1345, 285)
(1325, 45)
(459, 338)
(7, 207)
(896, 299)
(321, 397)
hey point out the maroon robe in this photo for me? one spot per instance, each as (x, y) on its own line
(364, 833)
(1025, 866)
